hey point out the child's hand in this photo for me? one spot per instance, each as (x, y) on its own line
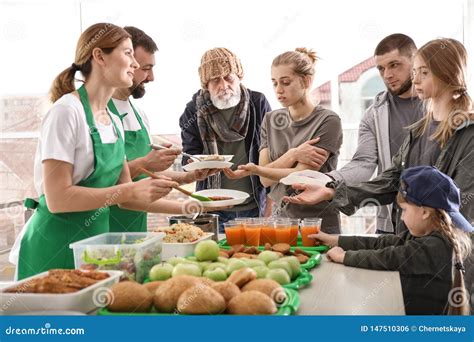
(336, 254)
(327, 239)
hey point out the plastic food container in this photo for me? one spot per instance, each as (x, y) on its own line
(182, 249)
(133, 253)
(85, 300)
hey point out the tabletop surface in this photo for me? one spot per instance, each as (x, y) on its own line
(342, 290)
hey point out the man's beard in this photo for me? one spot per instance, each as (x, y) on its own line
(137, 90)
(230, 102)
(403, 88)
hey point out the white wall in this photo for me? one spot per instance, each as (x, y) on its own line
(38, 38)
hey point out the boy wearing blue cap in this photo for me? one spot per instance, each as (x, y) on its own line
(424, 254)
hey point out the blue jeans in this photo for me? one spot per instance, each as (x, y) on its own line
(225, 216)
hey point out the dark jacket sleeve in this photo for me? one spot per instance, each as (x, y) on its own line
(417, 256)
(190, 136)
(378, 191)
(354, 243)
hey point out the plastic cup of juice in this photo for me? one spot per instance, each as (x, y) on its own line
(268, 232)
(294, 225)
(252, 234)
(234, 233)
(310, 226)
(282, 231)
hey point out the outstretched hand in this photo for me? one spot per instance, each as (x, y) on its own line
(242, 171)
(310, 194)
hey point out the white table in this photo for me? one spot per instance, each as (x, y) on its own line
(341, 290)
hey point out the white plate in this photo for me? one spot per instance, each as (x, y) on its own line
(216, 164)
(182, 249)
(85, 300)
(238, 197)
(306, 177)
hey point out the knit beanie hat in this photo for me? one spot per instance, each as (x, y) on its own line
(219, 62)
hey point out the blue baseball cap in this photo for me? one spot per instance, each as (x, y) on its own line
(427, 186)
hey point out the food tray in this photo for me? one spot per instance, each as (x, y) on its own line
(289, 307)
(321, 249)
(182, 249)
(85, 300)
(302, 280)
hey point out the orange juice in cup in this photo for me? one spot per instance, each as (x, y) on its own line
(234, 233)
(252, 233)
(268, 233)
(294, 225)
(282, 231)
(310, 226)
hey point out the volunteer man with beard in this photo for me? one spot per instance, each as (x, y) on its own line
(224, 117)
(137, 136)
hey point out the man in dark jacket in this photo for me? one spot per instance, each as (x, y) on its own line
(224, 118)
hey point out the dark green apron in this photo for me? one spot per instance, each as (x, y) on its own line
(45, 244)
(137, 144)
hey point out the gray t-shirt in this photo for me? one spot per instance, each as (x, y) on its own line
(240, 157)
(279, 133)
(403, 113)
(424, 151)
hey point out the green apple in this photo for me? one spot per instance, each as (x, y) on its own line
(161, 271)
(261, 271)
(234, 265)
(207, 250)
(186, 269)
(217, 274)
(192, 258)
(281, 264)
(279, 275)
(175, 260)
(268, 256)
(254, 262)
(294, 264)
(215, 265)
(223, 260)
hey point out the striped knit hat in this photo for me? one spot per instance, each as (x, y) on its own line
(219, 62)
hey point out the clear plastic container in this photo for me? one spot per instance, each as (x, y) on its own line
(133, 253)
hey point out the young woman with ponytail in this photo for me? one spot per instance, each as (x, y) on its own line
(80, 166)
(430, 255)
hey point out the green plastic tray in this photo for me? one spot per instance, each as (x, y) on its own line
(289, 307)
(302, 280)
(321, 249)
(313, 261)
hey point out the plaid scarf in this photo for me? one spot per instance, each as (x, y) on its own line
(212, 126)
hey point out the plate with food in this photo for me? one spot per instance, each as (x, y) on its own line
(306, 177)
(210, 161)
(221, 197)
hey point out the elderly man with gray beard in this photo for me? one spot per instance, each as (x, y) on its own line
(224, 117)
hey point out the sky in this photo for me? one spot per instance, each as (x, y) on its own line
(38, 39)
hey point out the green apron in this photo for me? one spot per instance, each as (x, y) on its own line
(137, 144)
(45, 244)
